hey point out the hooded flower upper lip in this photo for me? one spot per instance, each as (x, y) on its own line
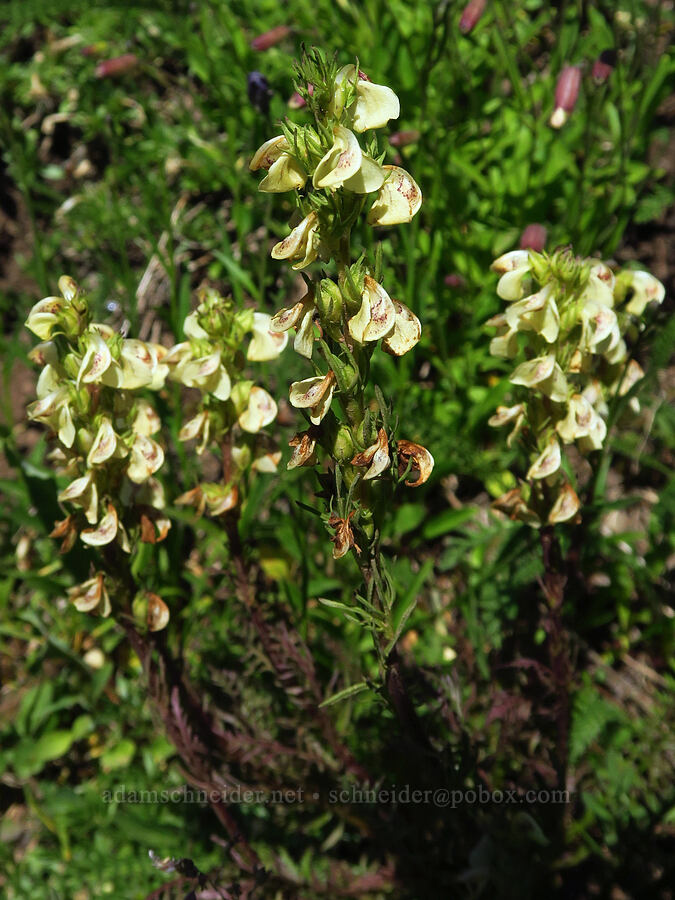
(314, 394)
(266, 343)
(300, 243)
(375, 319)
(345, 165)
(206, 372)
(513, 267)
(398, 200)
(284, 172)
(300, 316)
(374, 106)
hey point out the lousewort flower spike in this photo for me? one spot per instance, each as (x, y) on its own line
(572, 314)
(338, 176)
(104, 434)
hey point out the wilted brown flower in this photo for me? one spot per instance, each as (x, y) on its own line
(303, 455)
(422, 461)
(343, 539)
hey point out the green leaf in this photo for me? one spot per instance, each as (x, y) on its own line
(119, 756)
(51, 746)
(351, 691)
(447, 521)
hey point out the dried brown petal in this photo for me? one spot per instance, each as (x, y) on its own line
(343, 539)
(422, 461)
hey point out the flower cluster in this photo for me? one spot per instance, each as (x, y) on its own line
(568, 316)
(232, 410)
(87, 395)
(335, 179)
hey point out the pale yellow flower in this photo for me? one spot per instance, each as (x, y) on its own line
(376, 316)
(105, 531)
(266, 343)
(374, 106)
(301, 317)
(537, 313)
(544, 374)
(206, 373)
(284, 172)
(406, 332)
(646, 289)
(96, 360)
(146, 458)
(91, 596)
(300, 244)
(314, 394)
(547, 462)
(566, 506)
(82, 492)
(345, 165)
(106, 445)
(398, 200)
(261, 410)
(513, 268)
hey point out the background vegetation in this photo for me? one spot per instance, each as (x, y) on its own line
(136, 183)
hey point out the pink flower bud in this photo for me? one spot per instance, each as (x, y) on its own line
(93, 49)
(471, 15)
(566, 93)
(533, 238)
(119, 65)
(297, 101)
(453, 280)
(603, 66)
(270, 38)
(403, 138)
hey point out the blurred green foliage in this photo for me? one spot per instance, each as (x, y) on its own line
(138, 186)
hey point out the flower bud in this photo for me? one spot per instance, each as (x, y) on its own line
(404, 138)
(343, 446)
(533, 238)
(604, 66)
(119, 65)
(329, 301)
(471, 15)
(270, 38)
(259, 92)
(566, 93)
